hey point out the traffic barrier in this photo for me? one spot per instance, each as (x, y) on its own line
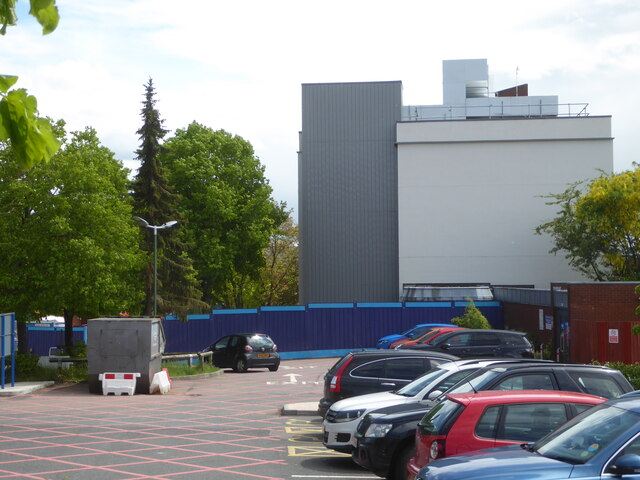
(118, 383)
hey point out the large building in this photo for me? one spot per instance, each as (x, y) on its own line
(393, 195)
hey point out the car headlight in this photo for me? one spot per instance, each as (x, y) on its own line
(377, 430)
(348, 415)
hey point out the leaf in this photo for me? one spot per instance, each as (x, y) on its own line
(46, 13)
(7, 14)
(6, 82)
(5, 121)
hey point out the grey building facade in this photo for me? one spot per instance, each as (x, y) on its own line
(348, 192)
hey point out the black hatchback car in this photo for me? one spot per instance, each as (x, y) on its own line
(369, 371)
(242, 351)
(468, 343)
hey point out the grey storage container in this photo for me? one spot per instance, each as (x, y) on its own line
(124, 345)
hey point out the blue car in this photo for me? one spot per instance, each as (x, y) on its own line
(413, 332)
(602, 442)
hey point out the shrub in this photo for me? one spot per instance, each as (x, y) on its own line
(472, 318)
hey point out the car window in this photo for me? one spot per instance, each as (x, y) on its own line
(456, 339)
(439, 419)
(581, 438)
(601, 385)
(533, 381)
(404, 368)
(488, 423)
(221, 344)
(581, 407)
(530, 422)
(260, 341)
(451, 380)
(370, 370)
(418, 384)
(483, 339)
(234, 341)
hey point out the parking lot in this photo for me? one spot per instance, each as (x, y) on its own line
(222, 427)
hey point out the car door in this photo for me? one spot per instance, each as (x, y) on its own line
(220, 352)
(400, 371)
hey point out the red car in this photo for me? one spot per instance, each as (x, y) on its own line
(427, 337)
(474, 421)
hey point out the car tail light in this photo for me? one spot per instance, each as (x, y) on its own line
(334, 386)
(436, 450)
(248, 348)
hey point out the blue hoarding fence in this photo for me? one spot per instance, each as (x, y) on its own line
(318, 329)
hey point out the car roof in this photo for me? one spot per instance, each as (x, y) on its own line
(401, 353)
(492, 330)
(523, 396)
(532, 363)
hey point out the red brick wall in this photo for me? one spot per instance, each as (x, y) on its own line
(594, 308)
(526, 318)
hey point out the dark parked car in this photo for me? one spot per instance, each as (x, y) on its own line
(601, 443)
(385, 437)
(370, 371)
(479, 343)
(242, 351)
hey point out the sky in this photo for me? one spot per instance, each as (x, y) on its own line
(238, 65)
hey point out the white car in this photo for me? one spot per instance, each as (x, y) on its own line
(343, 417)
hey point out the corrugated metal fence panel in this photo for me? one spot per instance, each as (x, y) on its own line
(590, 341)
(333, 326)
(287, 326)
(376, 320)
(190, 336)
(40, 339)
(425, 312)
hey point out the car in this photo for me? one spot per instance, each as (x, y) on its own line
(343, 417)
(601, 443)
(426, 338)
(479, 343)
(413, 332)
(385, 437)
(242, 351)
(476, 421)
(368, 371)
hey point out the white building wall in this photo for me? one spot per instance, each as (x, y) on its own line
(469, 195)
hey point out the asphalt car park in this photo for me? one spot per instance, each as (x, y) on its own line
(228, 426)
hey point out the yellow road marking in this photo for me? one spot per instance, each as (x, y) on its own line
(314, 452)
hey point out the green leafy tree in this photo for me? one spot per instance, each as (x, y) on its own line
(597, 226)
(68, 244)
(30, 136)
(472, 318)
(278, 284)
(155, 201)
(226, 201)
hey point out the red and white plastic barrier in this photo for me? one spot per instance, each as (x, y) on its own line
(118, 383)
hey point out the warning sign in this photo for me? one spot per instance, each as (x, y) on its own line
(613, 335)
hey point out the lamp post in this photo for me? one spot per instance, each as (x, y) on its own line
(155, 229)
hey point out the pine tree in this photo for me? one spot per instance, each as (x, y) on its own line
(154, 201)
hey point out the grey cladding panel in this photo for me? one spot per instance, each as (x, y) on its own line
(348, 192)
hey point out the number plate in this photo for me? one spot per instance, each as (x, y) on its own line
(263, 355)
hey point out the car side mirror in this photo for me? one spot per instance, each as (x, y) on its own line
(445, 346)
(435, 394)
(628, 464)
(410, 335)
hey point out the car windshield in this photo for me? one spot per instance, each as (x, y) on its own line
(415, 387)
(474, 382)
(585, 435)
(259, 341)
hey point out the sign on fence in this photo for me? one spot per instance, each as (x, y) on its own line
(8, 345)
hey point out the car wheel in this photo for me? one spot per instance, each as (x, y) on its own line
(274, 368)
(241, 365)
(399, 467)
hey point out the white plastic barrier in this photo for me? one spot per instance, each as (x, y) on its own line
(160, 383)
(118, 383)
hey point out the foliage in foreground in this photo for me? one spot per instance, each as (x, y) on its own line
(178, 369)
(631, 372)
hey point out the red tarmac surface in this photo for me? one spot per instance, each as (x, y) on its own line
(222, 427)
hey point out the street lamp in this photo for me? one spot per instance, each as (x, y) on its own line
(155, 229)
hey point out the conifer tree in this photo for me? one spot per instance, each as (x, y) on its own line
(154, 201)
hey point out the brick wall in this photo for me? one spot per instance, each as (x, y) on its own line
(526, 318)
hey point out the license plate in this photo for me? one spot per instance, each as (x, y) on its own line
(263, 355)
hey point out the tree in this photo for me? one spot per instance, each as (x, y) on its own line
(598, 226)
(68, 244)
(31, 136)
(278, 283)
(155, 201)
(472, 318)
(227, 204)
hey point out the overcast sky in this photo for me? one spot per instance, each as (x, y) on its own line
(238, 65)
